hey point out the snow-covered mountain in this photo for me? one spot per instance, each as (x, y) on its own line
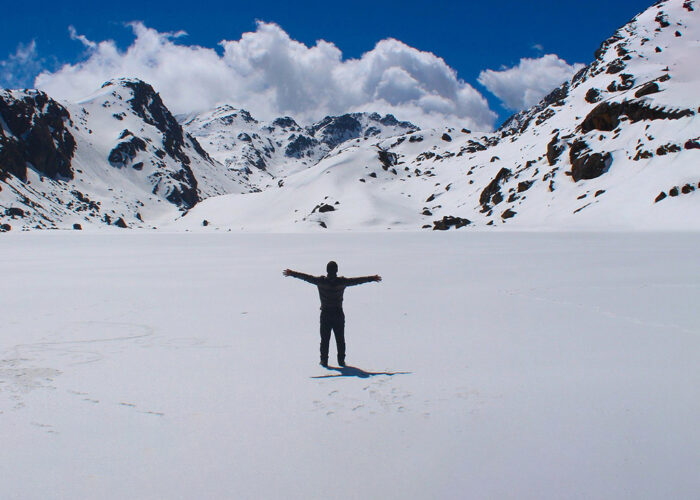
(616, 146)
(262, 152)
(118, 157)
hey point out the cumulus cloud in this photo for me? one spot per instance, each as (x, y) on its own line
(19, 69)
(527, 83)
(270, 74)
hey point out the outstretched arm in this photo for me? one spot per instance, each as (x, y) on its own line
(306, 277)
(362, 279)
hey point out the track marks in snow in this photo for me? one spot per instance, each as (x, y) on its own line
(145, 412)
(353, 401)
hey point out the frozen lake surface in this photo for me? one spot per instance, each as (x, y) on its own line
(486, 365)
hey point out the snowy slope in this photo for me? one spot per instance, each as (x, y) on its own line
(487, 365)
(618, 146)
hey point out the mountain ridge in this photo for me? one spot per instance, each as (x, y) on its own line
(615, 146)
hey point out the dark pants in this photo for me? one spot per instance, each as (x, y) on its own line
(332, 320)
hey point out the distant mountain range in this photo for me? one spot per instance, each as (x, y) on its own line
(617, 146)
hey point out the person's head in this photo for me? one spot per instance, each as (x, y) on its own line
(332, 268)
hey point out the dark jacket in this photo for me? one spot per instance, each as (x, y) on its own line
(331, 288)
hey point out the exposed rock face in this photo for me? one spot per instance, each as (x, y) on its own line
(333, 130)
(124, 152)
(647, 89)
(36, 135)
(606, 116)
(387, 159)
(554, 150)
(585, 164)
(492, 192)
(300, 146)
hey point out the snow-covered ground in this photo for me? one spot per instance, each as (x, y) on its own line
(487, 365)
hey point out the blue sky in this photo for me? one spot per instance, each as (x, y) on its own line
(469, 36)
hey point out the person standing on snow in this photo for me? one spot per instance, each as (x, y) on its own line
(330, 291)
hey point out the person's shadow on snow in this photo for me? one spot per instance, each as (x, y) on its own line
(351, 371)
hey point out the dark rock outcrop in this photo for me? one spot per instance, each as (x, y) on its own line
(647, 89)
(36, 135)
(606, 116)
(492, 192)
(554, 150)
(449, 221)
(299, 146)
(124, 152)
(592, 96)
(333, 130)
(585, 164)
(387, 159)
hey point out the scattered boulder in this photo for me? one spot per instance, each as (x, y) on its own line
(205, 223)
(592, 96)
(77, 227)
(14, 212)
(323, 208)
(446, 137)
(524, 186)
(667, 148)
(121, 223)
(5, 228)
(673, 192)
(692, 144)
(660, 197)
(508, 214)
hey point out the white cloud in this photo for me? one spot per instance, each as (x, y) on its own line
(527, 83)
(270, 74)
(89, 44)
(19, 69)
